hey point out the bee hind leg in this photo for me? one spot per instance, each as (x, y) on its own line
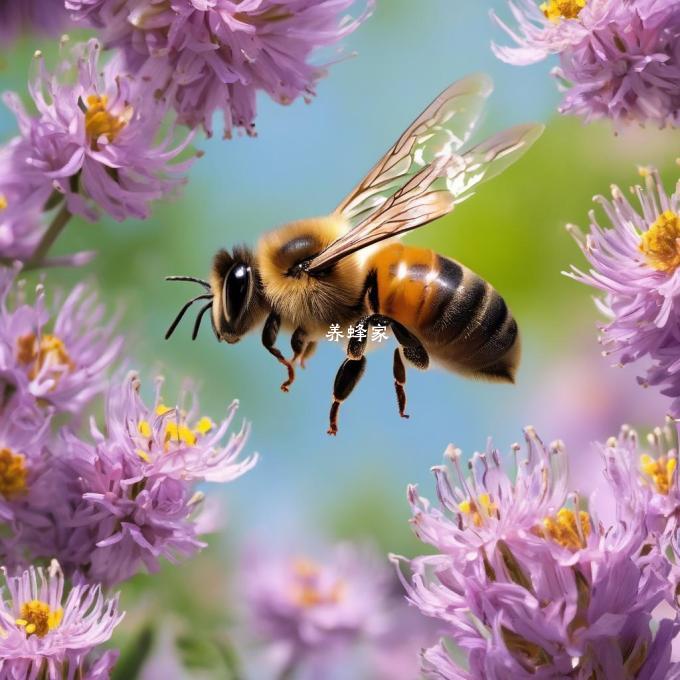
(269, 334)
(399, 373)
(346, 379)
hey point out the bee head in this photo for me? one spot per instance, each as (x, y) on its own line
(233, 295)
(238, 302)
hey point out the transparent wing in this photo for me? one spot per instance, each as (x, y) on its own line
(432, 192)
(444, 126)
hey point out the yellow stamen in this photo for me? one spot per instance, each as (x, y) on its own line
(660, 471)
(162, 409)
(3, 202)
(100, 122)
(12, 473)
(144, 428)
(144, 455)
(564, 530)
(204, 425)
(660, 244)
(478, 509)
(50, 352)
(556, 10)
(38, 619)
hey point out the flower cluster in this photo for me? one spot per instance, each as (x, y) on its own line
(529, 583)
(105, 506)
(619, 60)
(204, 57)
(635, 263)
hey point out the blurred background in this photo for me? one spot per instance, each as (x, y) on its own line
(310, 488)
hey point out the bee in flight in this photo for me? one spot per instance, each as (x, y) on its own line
(347, 268)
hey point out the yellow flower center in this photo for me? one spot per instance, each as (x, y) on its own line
(99, 121)
(478, 509)
(3, 202)
(176, 431)
(660, 471)
(556, 10)
(307, 592)
(565, 530)
(50, 352)
(12, 473)
(660, 244)
(38, 619)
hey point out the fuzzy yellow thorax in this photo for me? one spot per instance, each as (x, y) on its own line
(478, 509)
(660, 471)
(100, 121)
(660, 244)
(556, 10)
(12, 473)
(38, 619)
(563, 528)
(49, 352)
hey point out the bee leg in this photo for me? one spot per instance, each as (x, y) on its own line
(356, 347)
(298, 343)
(347, 377)
(269, 335)
(399, 373)
(412, 348)
(308, 352)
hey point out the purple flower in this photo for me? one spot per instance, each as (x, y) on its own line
(22, 199)
(24, 433)
(629, 70)
(45, 16)
(215, 55)
(53, 360)
(129, 498)
(635, 262)
(308, 610)
(619, 60)
(530, 585)
(95, 140)
(46, 634)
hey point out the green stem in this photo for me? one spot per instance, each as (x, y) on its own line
(49, 237)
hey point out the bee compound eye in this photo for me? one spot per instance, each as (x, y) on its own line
(236, 290)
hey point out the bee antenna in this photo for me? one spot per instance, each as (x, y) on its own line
(199, 318)
(182, 312)
(193, 279)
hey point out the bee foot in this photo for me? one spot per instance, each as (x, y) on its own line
(333, 431)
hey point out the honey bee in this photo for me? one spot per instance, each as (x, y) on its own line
(348, 269)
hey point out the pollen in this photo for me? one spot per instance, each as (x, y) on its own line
(38, 619)
(566, 530)
(660, 471)
(556, 10)
(99, 121)
(47, 353)
(478, 509)
(176, 430)
(3, 202)
(12, 473)
(660, 244)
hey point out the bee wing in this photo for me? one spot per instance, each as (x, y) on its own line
(432, 192)
(446, 123)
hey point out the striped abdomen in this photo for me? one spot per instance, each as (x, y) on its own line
(460, 318)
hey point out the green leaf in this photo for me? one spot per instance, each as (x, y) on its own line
(209, 653)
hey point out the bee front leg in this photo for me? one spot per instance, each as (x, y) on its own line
(399, 373)
(269, 334)
(348, 376)
(298, 343)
